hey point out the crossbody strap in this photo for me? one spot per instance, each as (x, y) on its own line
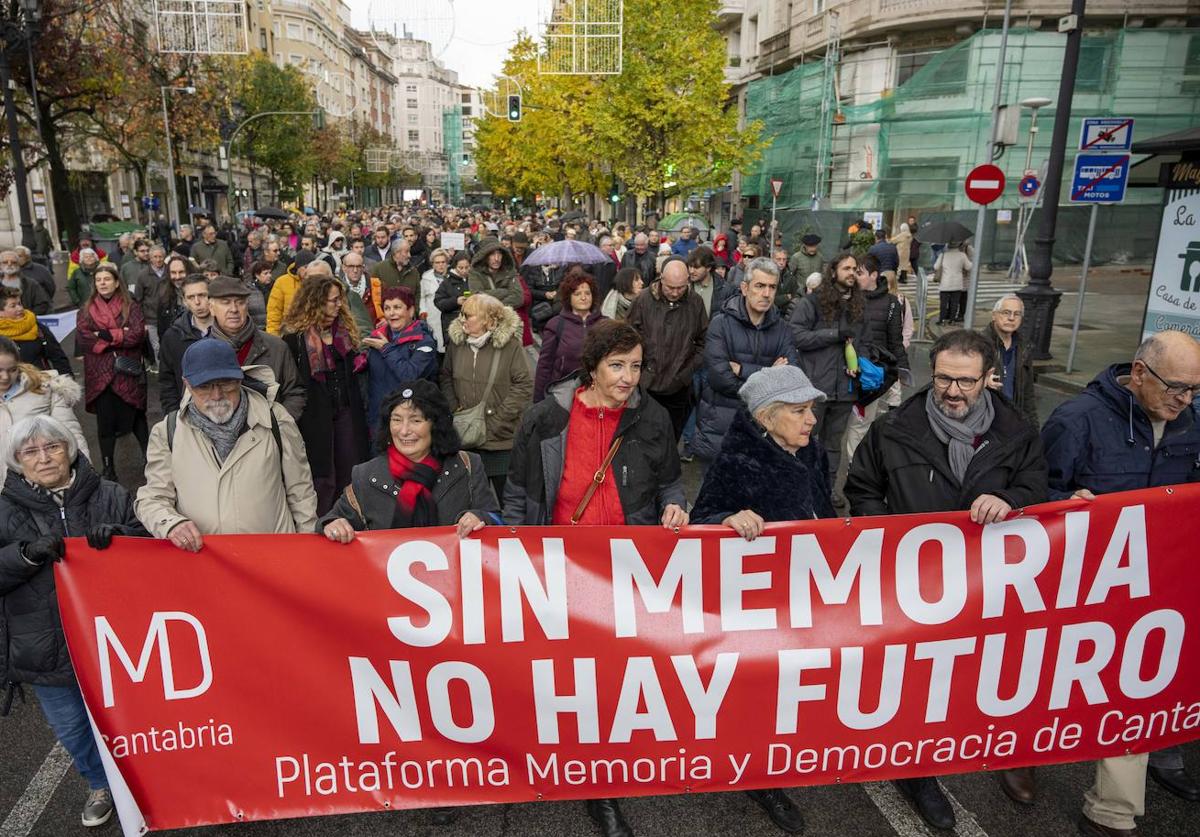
(597, 479)
(487, 390)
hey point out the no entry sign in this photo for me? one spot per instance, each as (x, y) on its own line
(985, 183)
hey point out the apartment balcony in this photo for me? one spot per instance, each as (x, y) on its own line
(871, 18)
(774, 50)
(730, 13)
(734, 71)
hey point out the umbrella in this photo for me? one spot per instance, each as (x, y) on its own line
(567, 251)
(941, 232)
(572, 216)
(273, 212)
(198, 210)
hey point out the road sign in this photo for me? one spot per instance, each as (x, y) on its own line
(1100, 178)
(776, 186)
(985, 183)
(1106, 133)
(1028, 186)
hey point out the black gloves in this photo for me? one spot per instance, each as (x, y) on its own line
(105, 335)
(46, 548)
(100, 536)
(846, 334)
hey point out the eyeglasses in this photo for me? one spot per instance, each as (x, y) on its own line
(1173, 388)
(34, 453)
(1009, 314)
(964, 384)
(352, 266)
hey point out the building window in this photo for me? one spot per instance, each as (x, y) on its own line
(466, 98)
(412, 119)
(293, 58)
(294, 31)
(1095, 57)
(1191, 67)
(466, 110)
(411, 103)
(414, 136)
(262, 39)
(410, 88)
(947, 74)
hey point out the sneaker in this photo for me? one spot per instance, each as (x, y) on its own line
(99, 808)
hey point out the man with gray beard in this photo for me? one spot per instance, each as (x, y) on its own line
(229, 461)
(33, 296)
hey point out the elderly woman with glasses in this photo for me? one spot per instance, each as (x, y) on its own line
(52, 492)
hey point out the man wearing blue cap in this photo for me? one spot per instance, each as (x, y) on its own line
(229, 461)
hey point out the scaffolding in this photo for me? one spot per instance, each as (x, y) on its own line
(452, 130)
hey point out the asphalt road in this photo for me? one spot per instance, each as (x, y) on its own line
(41, 794)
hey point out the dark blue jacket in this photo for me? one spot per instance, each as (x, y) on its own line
(888, 255)
(1102, 440)
(732, 337)
(753, 472)
(412, 356)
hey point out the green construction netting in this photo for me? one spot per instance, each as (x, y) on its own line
(452, 129)
(909, 148)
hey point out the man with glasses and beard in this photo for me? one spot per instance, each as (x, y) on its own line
(953, 446)
(1133, 427)
(229, 461)
(33, 296)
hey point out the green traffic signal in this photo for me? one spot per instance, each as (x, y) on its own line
(514, 108)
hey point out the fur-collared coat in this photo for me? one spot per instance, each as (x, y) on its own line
(753, 472)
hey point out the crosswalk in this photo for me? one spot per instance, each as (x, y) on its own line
(991, 287)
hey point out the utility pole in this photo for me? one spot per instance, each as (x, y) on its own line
(1040, 297)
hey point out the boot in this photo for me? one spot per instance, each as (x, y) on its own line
(443, 816)
(606, 813)
(780, 808)
(1018, 785)
(110, 470)
(927, 798)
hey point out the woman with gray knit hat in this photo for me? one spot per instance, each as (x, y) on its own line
(767, 471)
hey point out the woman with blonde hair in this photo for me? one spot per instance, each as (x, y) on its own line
(485, 363)
(111, 333)
(26, 391)
(323, 338)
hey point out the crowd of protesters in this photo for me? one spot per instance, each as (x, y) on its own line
(342, 374)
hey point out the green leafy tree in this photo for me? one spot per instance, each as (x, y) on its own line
(280, 144)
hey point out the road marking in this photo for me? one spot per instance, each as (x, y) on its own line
(28, 810)
(907, 823)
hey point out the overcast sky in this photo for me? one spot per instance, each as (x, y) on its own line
(482, 32)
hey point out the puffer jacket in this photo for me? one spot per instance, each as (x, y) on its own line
(32, 646)
(562, 346)
(646, 466)
(51, 395)
(465, 372)
(885, 323)
(673, 333)
(504, 283)
(282, 293)
(254, 491)
(1102, 440)
(409, 355)
(820, 349)
(753, 472)
(445, 299)
(732, 337)
(902, 468)
(462, 486)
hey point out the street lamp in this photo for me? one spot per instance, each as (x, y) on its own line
(17, 35)
(173, 210)
(1020, 261)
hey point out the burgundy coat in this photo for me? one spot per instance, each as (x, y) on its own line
(562, 346)
(98, 371)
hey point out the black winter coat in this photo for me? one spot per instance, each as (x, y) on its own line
(459, 489)
(647, 461)
(820, 349)
(646, 263)
(1023, 376)
(175, 341)
(340, 390)
(753, 472)
(885, 324)
(445, 299)
(1102, 440)
(732, 337)
(32, 646)
(902, 468)
(45, 352)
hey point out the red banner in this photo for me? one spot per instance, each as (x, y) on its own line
(287, 676)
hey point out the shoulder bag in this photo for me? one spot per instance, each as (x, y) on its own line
(471, 423)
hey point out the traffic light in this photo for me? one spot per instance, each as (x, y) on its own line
(514, 108)
(614, 192)
(319, 118)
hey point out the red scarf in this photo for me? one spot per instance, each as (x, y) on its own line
(414, 503)
(106, 314)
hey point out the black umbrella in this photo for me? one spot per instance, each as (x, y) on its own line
(942, 232)
(273, 212)
(572, 216)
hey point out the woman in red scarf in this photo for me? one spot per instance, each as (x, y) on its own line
(323, 338)
(111, 333)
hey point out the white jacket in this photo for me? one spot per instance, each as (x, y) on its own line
(951, 270)
(57, 399)
(433, 314)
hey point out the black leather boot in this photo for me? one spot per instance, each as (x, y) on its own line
(110, 470)
(606, 813)
(926, 796)
(780, 808)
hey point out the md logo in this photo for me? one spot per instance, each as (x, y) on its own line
(156, 636)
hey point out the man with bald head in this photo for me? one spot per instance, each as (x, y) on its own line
(671, 319)
(1133, 427)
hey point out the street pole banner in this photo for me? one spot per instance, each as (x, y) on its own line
(287, 676)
